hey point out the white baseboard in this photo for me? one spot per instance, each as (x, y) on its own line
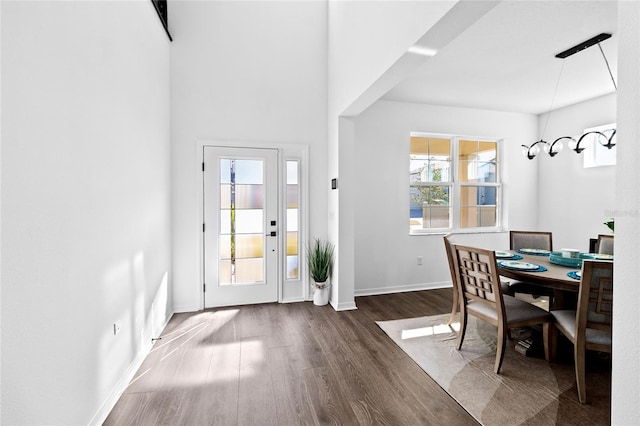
(402, 289)
(348, 306)
(186, 308)
(121, 386)
(294, 300)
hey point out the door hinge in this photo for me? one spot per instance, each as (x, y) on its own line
(203, 227)
(203, 166)
(204, 288)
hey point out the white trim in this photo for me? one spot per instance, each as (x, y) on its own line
(348, 306)
(186, 308)
(285, 151)
(293, 300)
(118, 390)
(402, 289)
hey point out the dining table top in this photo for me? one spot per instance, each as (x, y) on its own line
(555, 276)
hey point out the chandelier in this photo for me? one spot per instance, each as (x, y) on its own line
(553, 148)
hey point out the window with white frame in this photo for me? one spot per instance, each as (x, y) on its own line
(453, 183)
(597, 154)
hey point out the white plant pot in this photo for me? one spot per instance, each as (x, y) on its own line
(321, 295)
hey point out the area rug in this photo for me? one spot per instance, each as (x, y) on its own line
(529, 391)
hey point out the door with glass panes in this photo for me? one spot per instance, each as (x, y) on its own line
(241, 229)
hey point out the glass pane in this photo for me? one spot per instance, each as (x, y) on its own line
(467, 171)
(488, 151)
(241, 237)
(439, 148)
(486, 172)
(246, 246)
(224, 272)
(478, 196)
(436, 217)
(468, 217)
(225, 170)
(468, 150)
(246, 196)
(244, 271)
(292, 267)
(487, 216)
(249, 271)
(249, 172)
(481, 216)
(292, 243)
(439, 171)
(292, 219)
(430, 160)
(430, 195)
(478, 206)
(292, 172)
(419, 146)
(292, 196)
(477, 161)
(245, 221)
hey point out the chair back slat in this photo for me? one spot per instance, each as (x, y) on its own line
(477, 275)
(530, 239)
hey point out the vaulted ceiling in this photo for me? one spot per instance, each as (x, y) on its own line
(506, 60)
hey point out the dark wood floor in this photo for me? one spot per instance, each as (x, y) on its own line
(289, 364)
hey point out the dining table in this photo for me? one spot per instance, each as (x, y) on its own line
(564, 280)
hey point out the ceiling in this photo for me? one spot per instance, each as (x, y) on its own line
(506, 60)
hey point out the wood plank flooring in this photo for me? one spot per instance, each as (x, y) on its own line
(289, 364)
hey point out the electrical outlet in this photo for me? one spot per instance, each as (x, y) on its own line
(116, 327)
(420, 260)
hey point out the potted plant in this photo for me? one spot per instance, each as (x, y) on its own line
(320, 261)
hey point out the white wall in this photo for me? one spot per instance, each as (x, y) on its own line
(367, 37)
(625, 381)
(252, 72)
(385, 253)
(574, 202)
(368, 43)
(85, 203)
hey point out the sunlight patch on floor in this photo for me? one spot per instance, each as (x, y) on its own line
(429, 331)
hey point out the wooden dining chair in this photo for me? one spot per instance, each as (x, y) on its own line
(589, 326)
(535, 240)
(604, 245)
(530, 239)
(452, 269)
(480, 295)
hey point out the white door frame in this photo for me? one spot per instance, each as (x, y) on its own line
(288, 290)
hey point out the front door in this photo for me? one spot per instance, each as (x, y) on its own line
(240, 226)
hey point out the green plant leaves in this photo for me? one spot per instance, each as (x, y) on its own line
(320, 260)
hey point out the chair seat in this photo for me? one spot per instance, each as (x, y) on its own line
(516, 310)
(567, 320)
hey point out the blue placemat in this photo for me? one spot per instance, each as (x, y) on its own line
(574, 275)
(532, 253)
(539, 269)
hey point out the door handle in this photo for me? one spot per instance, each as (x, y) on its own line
(271, 234)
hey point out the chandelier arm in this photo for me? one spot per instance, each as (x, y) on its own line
(610, 144)
(552, 153)
(579, 149)
(530, 154)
